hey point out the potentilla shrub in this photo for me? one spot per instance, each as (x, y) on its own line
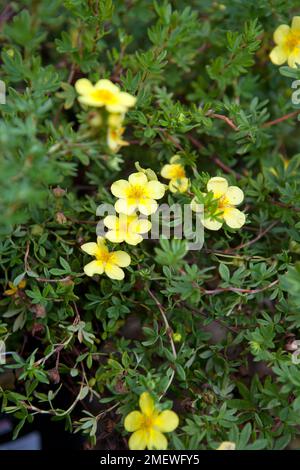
(133, 325)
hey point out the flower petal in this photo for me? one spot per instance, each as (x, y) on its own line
(133, 238)
(83, 86)
(278, 55)
(233, 217)
(114, 272)
(115, 236)
(138, 440)
(157, 441)
(212, 224)
(121, 258)
(167, 172)
(126, 99)
(155, 190)
(296, 24)
(119, 188)
(90, 248)
(179, 185)
(139, 179)
(147, 206)
(294, 58)
(167, 421)
(218, 186)
(133, 421)
(94, 267)
(281, 33)
(140, 226)
(105, 84)
(126, 206)
(226, 445)
(111, 222)
(234, 195)
(146, 403)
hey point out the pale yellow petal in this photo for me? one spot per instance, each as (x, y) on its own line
(133, 421)
(115, 236)
(218, 186)
(138, 440)
(155, 190)
(175, 159)
(212, 224)
(126, 206)
(147, 206)
(294, 57)
(278, 55)
(156, 440)
(116, 107)
(127, 100)
(138, 179)
(296, 24)
(105, 84)
(83, 86)
(121, 258)
(90, 248)
(94, 267)
(167, 421)
(119, 188)
(90, 101)
(111, 222)
(179, 185)
(140, 226)
(281, 33)
(146, 403)
(234, 195)
(166, 171)
(114, 272)
(133, 238)
(226, 445)
(233, 217)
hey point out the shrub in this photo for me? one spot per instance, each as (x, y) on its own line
(191, 105)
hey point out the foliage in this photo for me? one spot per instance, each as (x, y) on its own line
(211, 330)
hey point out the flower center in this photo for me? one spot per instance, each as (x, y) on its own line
(103, 255)
(223, 203)
(148, 423)
(136, 192)
(177, 171)
(292, 41)
(105, 96)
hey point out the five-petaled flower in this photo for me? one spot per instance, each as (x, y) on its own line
(148, 425)
(175, 172)
(226, 197)
(287, 40)
(137, 194)
(108, 262)
(104, 93)
(14, 289)
(126, 228)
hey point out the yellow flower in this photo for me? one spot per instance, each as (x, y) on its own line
(137, 194)
(287, 40)
(114, 138)
(227, 197)
(14, 289)
(126, 228)
(148, 425)
(104, 93)
(226, 445)
(106, 262)
(175, 172)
